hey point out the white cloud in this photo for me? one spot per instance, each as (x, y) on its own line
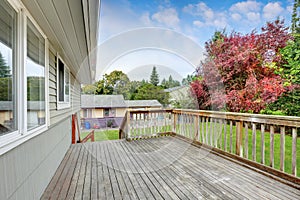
(236, 17)
(145, 19)
(207, 16)
(245, 6)
(253, 16)
(167, 16)
(198, 23)
(272, 10)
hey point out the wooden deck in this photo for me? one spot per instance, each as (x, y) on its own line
(157, 168)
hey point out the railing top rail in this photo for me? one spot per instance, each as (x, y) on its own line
(150, 111)
(247, 117)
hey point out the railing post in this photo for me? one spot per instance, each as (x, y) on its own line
(196, 125)
(239, 136)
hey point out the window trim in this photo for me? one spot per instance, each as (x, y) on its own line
(21, 135)
(62, 104)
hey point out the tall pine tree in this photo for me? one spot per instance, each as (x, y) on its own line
(4, 69)
(295, 18)
(154, 78)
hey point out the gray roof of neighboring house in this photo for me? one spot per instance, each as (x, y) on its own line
(175, 88)
(102, 101)
(31, 105)
(143, 103)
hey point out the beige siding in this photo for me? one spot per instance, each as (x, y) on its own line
(55, 114)
(98, 113)
(120, 112)
(27, 169)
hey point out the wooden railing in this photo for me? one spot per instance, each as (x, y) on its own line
(76, 128)
(266, 142)
(145, 123)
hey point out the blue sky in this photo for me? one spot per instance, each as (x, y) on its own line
(196, 20)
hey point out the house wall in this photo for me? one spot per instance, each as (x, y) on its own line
(120, 112)
(98, 113)
(27, 169)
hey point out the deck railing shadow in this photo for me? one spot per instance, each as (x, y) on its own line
(265, 142)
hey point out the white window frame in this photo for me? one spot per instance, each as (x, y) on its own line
(21, 135)
(62, 104)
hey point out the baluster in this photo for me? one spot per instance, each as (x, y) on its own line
(254, 142)
(246, 140)
(271, 146)
(282, 147)
(215, 133)
(220, 133)
(202, 124)
(225, 135)
(230, 139)
(262, 144)
(211, 131)
(294, 151)
(206, 132)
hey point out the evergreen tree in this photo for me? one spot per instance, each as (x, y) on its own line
(295, 17)
(4, 69)
(154, 79)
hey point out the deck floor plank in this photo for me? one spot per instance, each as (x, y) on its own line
(157, 168)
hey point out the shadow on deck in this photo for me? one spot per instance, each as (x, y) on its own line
(158, 168)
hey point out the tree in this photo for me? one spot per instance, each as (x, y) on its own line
(114, 83)
(170, 83)
(240, 71)
(295, 18)
(289, 102)
(89, 89)
(4, 69)
(154, 78)
(187, 80)
(149, 91)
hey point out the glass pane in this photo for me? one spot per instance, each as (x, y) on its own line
(8, 111)
(35, 72)
(61, 80)
(67, 85)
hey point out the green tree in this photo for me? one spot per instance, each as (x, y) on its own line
(89, 89)
(4, 69)
(295, 17)
(114, 83)
(154, 78)
(149, 91)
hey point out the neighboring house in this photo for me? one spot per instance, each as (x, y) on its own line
(100, 111)
(180, 97)
(101, 106)
(143, 104)
(45, 45)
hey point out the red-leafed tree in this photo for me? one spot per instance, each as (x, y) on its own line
(241, 71)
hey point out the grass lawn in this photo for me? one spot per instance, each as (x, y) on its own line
(101, 135)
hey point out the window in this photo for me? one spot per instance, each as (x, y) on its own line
(35, 73)
(87, 113)
(8, 76)
(63, 84)
(23, 76)
(109, 112)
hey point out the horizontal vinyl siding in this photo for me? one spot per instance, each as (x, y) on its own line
(27, 169)
(58, 115)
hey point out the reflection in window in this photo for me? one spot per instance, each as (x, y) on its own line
(63, 82)
(35, 72)
(8, 111)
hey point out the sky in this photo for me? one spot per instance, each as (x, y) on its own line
(196, 22)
